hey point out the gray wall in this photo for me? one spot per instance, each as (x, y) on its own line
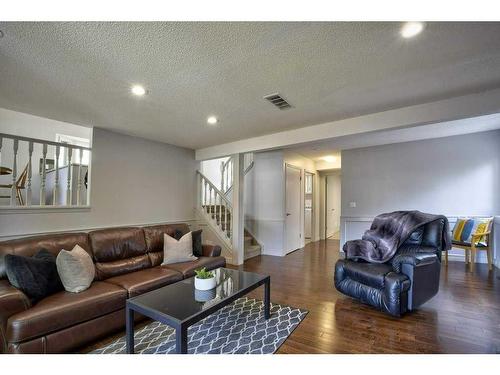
(454, 176)
(264, 201)
(134, 181)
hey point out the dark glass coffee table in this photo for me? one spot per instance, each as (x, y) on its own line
(180, 305)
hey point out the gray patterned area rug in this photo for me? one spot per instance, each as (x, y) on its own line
(239, 328)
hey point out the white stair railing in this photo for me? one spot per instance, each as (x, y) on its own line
(215, 205)
(227, 171)
(21, 174)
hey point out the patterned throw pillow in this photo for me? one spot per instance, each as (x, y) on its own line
(458, 229)
(466, 227)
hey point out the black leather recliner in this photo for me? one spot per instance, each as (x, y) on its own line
(406, 281)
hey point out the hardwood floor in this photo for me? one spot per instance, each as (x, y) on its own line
(464, 317)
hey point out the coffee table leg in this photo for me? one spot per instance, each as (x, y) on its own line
(181, 338)
(267, 299)
(129, 321)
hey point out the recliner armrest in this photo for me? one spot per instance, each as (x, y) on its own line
(211, 250)
(414, 259)
(12, 301)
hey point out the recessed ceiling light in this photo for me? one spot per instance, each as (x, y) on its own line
(329, 158)
(212, 120)
(411, 29)
(138, 90)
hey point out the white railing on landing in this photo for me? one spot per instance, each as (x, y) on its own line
(214, 204)
(20, 186)
(227, 171)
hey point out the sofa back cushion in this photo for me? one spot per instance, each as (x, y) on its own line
(118, 251)
(154, 239)
(29, 246)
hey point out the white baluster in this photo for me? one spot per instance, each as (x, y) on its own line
(30, 171)
(211, 205)
(222, 176)
(225, 218)
(13, 193)
(42, 182)
(55, 192)
(209, 200)
(205, 193)
(217, 209)
(68, 182)
(220, 211)
(79, 184)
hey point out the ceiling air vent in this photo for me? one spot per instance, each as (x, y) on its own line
(278, 101)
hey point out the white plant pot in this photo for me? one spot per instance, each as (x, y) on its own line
(205, 284)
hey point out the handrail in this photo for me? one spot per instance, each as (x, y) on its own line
(215, 189)
(43, 141)
(226, 187)
(245, 172)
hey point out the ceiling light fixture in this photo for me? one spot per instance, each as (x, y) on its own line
(411, 29)
(212, 120)
(329, 158)
(138, 90)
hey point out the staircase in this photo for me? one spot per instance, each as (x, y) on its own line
(215, 206)
(252, 247)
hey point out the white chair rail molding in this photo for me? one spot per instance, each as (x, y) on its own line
(41, 174)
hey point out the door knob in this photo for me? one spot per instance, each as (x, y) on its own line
(287, 214)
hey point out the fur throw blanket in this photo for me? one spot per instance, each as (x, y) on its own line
(388, 231)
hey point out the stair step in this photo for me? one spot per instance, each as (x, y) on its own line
(252, 251)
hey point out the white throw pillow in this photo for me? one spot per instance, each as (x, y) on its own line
(75, 269)
(178, 251)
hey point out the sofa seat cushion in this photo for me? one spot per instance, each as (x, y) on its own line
(145, 280)
(65, 309)
(371, 274)
(187, 268)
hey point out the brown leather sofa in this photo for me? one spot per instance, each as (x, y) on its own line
(128, 263)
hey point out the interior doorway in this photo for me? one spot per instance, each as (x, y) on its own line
(332, 205)
(293, 230)
(308, 206)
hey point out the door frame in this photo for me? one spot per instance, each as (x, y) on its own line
(313, 206)
(326, 204)
(301, 224)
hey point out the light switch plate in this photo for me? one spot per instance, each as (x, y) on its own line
(352, 204)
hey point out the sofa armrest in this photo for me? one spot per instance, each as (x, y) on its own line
(211, 250)
(12, 301)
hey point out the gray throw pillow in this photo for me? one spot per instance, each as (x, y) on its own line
(75, 269)
(178, 251)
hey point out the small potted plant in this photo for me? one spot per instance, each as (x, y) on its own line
(204, 280)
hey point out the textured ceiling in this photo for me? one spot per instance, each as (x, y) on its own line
(81, 73)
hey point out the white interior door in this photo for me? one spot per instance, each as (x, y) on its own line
(293, 233)
(332, 204)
